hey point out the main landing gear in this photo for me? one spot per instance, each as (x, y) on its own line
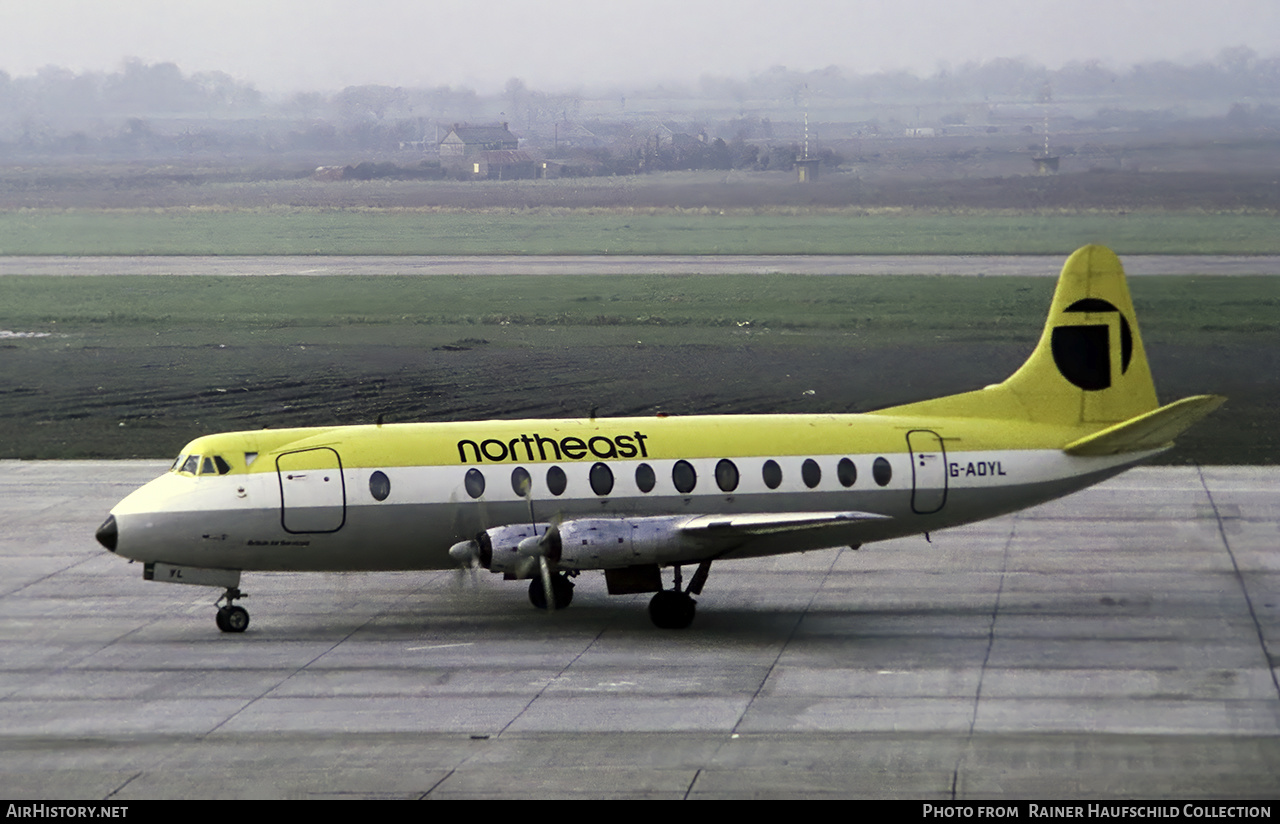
(561, 591)
(669, 608)
(231, 618)
(673, 608)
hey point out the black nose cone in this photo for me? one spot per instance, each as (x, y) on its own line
(108, 534)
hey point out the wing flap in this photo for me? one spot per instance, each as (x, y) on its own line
(1152, 430)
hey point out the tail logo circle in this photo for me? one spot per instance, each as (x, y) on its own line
(1082, 352)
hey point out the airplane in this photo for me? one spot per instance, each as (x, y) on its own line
(546, 500)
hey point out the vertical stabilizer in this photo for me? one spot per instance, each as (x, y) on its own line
(1089, 366)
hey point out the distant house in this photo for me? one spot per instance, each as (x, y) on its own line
(503, 164)
(465, 142)
(576, 136)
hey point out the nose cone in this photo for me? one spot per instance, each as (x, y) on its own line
(108, 534)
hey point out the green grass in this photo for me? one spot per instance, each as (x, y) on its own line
(211, 308)
(893, 308)
(304, 231)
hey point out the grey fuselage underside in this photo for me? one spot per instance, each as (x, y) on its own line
(418, 535)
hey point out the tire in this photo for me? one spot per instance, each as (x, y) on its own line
(561, 591)
(671, 609)
(233, 619)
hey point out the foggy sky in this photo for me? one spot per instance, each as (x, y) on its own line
(559, 45)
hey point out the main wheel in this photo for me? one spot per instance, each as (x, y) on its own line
(672, 609)
(561, 591)
(232, 619)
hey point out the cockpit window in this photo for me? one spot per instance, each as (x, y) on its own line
(202, 465)
(177, 462)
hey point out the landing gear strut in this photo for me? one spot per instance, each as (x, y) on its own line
(231, 618)
(561, 591)
(673, 608)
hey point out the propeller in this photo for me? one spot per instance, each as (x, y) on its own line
(518, 551)
(468, 555)
(539, 544)
(543, 551)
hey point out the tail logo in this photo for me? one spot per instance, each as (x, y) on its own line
(1082, 352)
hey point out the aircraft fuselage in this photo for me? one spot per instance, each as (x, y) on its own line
(398, 496)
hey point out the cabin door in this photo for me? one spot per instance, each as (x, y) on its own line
(313, 495)
(928, 471)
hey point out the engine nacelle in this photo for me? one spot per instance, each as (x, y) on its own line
(499, 549)
(611, 543)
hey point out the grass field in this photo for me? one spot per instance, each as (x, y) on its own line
(136, 366)
(284, 230)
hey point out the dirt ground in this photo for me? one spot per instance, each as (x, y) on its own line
(148, 403)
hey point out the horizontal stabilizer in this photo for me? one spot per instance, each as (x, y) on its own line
(1152, 430)
(769, 523)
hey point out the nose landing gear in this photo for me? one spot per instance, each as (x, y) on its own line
(231, 618)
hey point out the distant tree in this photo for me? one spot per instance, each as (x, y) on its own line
(517, 97)
(357, 103)
(718, 155)
(829, 158)
(1084, 79)
(742, 155)
(222, 91)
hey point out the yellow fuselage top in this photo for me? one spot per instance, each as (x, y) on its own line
(603, 439)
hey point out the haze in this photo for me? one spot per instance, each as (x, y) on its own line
(295, 45)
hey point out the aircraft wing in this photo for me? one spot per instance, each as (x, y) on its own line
(774, 533)
(755, 523)
(772, 523)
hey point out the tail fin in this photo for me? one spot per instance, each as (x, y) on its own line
(1089, 366)
(1089, 369)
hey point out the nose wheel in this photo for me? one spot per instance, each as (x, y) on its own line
(231, 618)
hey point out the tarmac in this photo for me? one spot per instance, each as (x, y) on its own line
(1119, 643)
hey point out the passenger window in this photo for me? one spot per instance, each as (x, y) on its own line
(684, 476)
(645, 478)
(556, 480)
(846, 472)
(882, 471)
(521, 482)
(474, 483)
(380, 486)
(601, 478)
(726, 475)
(810, 473)
(772, 474)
